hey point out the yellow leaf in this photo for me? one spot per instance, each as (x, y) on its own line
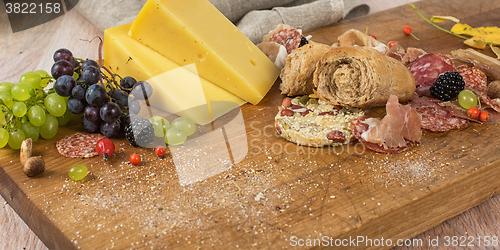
(495, 50)
(492, 38)
(465, 29)
(440, 19)
(476, 42)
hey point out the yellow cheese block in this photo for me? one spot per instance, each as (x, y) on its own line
(177, 89)
(194, 31)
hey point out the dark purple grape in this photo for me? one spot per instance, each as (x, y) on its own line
(142, 90)
(89, 62)
(76, 106)
(127, 82)
(78, 92)
(96, 95)
(62, 68)
(110, 129)
(90, 75)
(91, 113)
(110, 112)
(64, 85)
(134, 106)
(91, 127)
(63, 54)
(120, 96)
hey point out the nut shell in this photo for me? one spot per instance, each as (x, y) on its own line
(35, 165)
(26, 150)
(493, 89)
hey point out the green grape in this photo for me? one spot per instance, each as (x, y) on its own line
(49, 128)
(55, 104)
(21, 91)
(75, 75)
(30, 131)
(5, 87)
(77, 172)
(175, 136)
(185, 124)
(33, 78)
(45, 77)
(160, 125)
(2, 116)
(16, 137)
(7, 99)
(37, 115)
(467, 99)
(64, 119)
(19, 109)
(4, 137)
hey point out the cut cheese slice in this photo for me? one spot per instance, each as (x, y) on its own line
(194, 31)
(177, 89)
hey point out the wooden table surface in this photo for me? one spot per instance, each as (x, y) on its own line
(482, 220)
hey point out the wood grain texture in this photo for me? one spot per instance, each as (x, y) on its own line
(323, 194)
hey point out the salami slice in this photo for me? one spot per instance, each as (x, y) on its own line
(474, 78)
(427, 68)
(436, 118)
(493, 103)
(358, 127)
(79, 145)
(289, 37)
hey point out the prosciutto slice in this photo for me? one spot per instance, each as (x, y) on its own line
(396, 132)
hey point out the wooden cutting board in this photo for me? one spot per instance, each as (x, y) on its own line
(279, 193)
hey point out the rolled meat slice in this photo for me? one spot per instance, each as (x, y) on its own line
(361, 77)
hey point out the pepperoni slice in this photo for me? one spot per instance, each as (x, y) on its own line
(474, 78)
(427, 68)
(79, 145)
(289, 37)
(358, 127)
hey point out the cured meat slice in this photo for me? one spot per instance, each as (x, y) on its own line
(493, 103)
(411, 55)
(436, 118)
(474, 78)
(358, 127)
(401, 123)
(397, 131)
(288, 37)
(79, 145)
(427, 68)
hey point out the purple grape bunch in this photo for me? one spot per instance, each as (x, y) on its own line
(103, 99)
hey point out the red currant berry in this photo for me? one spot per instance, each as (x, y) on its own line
(473, 112)
(105, 148)
(484, 116)
(160, 151)
(407, 30)
(135, 159)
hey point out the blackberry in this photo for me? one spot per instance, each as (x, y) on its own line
(447, 86)
(140, 132)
